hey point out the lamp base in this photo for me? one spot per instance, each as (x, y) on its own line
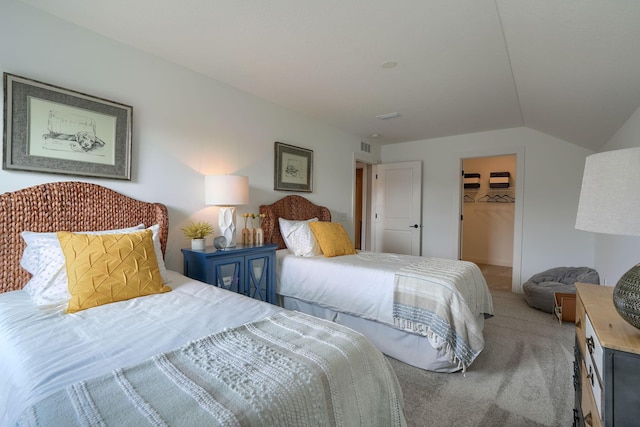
(227, 224)
(626, 296)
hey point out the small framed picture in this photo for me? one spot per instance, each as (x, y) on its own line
(293, 168)
(56, 130)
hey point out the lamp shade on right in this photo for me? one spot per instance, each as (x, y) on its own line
(610, 195)
(610, 204)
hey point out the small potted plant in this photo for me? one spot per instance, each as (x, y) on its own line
(197, 231)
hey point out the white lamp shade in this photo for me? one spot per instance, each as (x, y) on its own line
(226, 190)
(610, 195)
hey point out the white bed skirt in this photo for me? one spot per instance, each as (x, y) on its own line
(409, 348)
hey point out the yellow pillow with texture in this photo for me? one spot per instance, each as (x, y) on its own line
(332, 238)
(106, 268)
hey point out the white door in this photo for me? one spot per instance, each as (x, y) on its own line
(398, 208)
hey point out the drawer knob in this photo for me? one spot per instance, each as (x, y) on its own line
(588, 419)
(590, 375)
(590, 345)
(578, 324)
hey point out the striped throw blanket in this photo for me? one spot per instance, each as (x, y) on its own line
(442, 299)
(286, 370)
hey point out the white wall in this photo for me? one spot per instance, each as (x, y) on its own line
(185, 125)
(617, 254)
(552, 177)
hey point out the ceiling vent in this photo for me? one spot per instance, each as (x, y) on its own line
(388, 116)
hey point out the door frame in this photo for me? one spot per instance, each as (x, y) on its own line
(367, 228)
(519, 152)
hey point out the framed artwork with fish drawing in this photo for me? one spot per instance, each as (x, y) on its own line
(56, 130)
(293, 168)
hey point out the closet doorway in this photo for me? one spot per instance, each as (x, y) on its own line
(487, 217)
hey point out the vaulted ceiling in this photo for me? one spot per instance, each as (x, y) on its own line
(568, 68)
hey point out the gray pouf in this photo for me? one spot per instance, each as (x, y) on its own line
(539, 289)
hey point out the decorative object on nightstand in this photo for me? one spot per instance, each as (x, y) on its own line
(247, 233)
(258, 232)
(197, 231)
(610, 203)
(227, 191)
(248, 270)
(245, 230)
(219, 242)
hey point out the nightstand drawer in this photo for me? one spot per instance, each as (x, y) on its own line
(590, 411)
(591, 380)
(580, 325)
(593, 346)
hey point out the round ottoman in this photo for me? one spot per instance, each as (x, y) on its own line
(539, 289)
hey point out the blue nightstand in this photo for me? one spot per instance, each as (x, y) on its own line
(248, 270)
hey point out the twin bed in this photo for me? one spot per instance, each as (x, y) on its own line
(427, 312)
(185, 354)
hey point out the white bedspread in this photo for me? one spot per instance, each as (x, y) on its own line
(361, 285)
(192, 310)
(288, 369)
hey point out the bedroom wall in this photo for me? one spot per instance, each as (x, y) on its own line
(552, 178)
(185, 125)
(614, 255)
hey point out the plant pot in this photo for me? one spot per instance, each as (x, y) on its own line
(197, 244)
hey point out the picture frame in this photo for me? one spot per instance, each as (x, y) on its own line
(51, 129)
(293, 168)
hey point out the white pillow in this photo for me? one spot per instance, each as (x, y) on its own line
(158, 247)
(299, 237)
(43, 258)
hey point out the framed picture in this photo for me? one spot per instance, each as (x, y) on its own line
(293, 168)
(55, 130)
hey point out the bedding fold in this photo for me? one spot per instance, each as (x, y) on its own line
(437, 298)
(288, 369)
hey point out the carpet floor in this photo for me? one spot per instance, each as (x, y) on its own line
(523, 377)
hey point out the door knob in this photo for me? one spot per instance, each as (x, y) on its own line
(414, 226)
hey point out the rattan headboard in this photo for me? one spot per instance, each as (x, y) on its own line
(70, 206)
(290, 207)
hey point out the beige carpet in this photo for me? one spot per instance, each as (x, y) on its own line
(523, 377)
(498, 277)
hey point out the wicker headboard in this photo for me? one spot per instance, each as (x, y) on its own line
(69, 206)
(293, 208)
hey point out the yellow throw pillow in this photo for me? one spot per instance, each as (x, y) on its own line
(332, 238)
(106, 268)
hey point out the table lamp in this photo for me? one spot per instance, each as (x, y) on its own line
(226, 191)
(610, 204)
